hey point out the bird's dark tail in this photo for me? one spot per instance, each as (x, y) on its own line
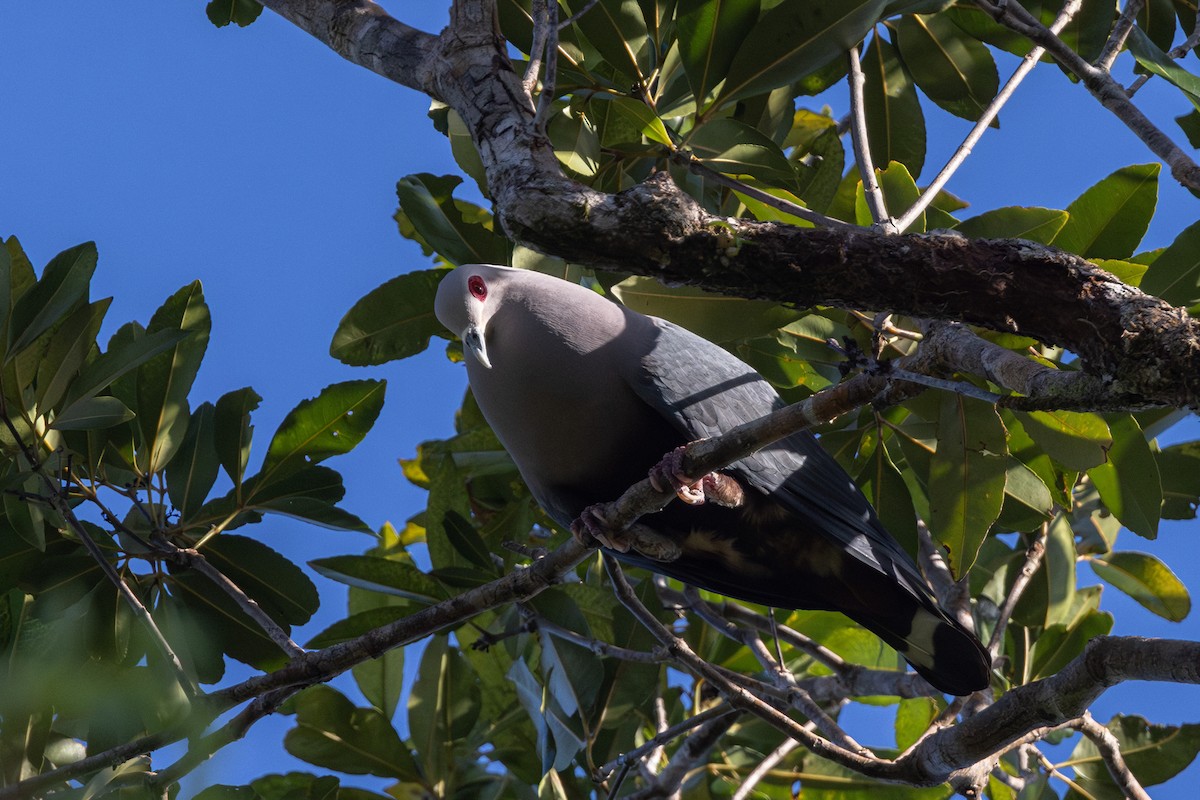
(942, 652)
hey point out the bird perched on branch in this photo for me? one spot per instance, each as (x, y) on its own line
(588, 397)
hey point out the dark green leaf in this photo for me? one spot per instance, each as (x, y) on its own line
(309, 494)
(70, 346)
(1156, 18)
(966, 477)
(716, 317)
(384, 575)
(709, 34)
(192, 473)
(223, 12)
(330, 424)
(956, 71)
(641, 118)
(330, 732)
(1110, 219)
(390, 322)
(794, 38)
(92, 413)
(223, 619)
(1147, 580)
(1189, 123)
(1035, 224)
(895, 123)
(125, 352)
(64, 283)
(164, 381)
(459, 231)
(1159, 63)
(278, 586)
(617, 29)
(1075, 440)
(1153, 753)
(233, 432)
(1048, 597)
(443, 706)
(1058, 645)
(1175, 274)
(736, 148)
(899, 193)
(1128, 481)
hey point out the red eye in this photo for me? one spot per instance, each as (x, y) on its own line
(477, 287)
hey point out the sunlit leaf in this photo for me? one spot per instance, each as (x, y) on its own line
(92, 413)
(1128, 481)
(716, 317)
(1175, 274)
(390, 322)
(457, 230)
(64, 282)
(1147, 580)
(709, 34)
(794, 38)
(1110, 219)
(895, 123)
(1035, 224)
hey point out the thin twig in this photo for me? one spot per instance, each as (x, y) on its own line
(766, 765)
(958, 387)
(599, 648)
(718, 711)
(1175, 53)
(1033, 558)
(1110, 751)
(545, 102)
(1027, 64)
(783, 679)
(862, 151)
(541, 31)
(1120, 32)
(194, 559)
(1101, 85)
(698, 167)
(571, 20)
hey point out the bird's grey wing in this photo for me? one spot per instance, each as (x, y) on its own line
(705, 390)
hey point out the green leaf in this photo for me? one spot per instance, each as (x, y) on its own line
(1014, 222)
(330, 424)
(709, 34)
(575, 140)
(1159, 63)
(617, 29)
(92, 413)
(330, 732)
(1175, 274)
(794, 38)
(192, 473)
(1076, 440)
(222, 619)
(1179, 466)
(459, 231)
(64, 283)
(966, 477)
(883, 485)
(716, 317)
(390, 322)
(124, 354)
(278, 586)
(1051, 591)
(309, 494)
(232, 431)
(640, 116)
(443, 706)
(164, 381)
(1128, 481)
(899, 193)
(1058, 645)
(914, 715)
(1147, 580)
(954, 70)
(385, 575)
(895, 123)
(70, 346)
(466, 540)
(1110, 219)
(1156, 18)
(223, 12)
(1153, 753)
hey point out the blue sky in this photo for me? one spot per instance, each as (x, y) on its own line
(261, 163)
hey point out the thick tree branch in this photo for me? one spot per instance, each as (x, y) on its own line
(1136, 350)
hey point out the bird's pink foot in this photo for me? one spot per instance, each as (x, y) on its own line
(667, 475)
(594, 526)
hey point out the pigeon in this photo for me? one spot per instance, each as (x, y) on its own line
(589, 397)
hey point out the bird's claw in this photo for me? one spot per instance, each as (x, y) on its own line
(594, 526)
(667, 475)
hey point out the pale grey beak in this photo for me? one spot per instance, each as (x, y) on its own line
(472, 339)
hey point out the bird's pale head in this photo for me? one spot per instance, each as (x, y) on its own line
(466, 299)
